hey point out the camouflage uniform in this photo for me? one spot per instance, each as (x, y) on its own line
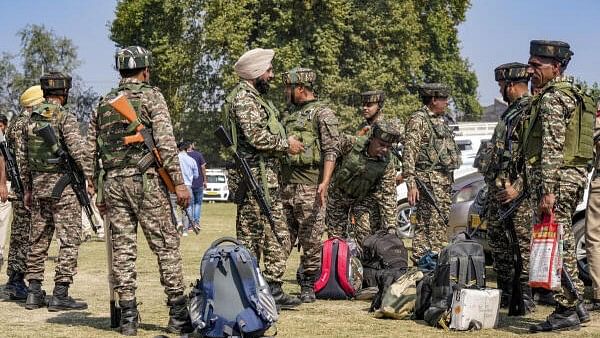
(261, 140)
(47, 213)
(558, 145)
(503, 164)
(549, 173)
(316, 125)
(19, 233)
(359, 177)
(132, 196)
(430, 154)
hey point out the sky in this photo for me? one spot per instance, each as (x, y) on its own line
(495, 32)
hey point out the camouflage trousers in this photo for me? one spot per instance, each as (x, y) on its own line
(339, 206)
(567, 197)
(502, 251)
(19, 238)
(64, 216)
(306, 223)
(254, 231)
(430, 229)
(367, 211)
(129, 204)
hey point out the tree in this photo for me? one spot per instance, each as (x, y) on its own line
(353, 46)
(41, 51)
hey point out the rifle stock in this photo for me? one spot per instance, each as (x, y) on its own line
(122, 106)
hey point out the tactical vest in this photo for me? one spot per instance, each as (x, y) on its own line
(441, 152)
(40, 153)
(229, 119)
(113, 128)
(501, 155)
(303, 125)
(579, 145)
(357, 175)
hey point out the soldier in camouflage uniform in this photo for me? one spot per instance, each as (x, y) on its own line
(40, 175)
(372, 110)
(557, 146)
(365, 171)
(19, 233)
(431, 155)
(260, 138)
(503, 173)
(306, 176)
(131, 192)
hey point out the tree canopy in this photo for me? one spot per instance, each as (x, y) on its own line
(353, 46)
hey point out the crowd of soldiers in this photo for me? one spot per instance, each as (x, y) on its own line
(315, 178)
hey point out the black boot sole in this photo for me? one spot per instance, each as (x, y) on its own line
(33, 306)
(567, 328)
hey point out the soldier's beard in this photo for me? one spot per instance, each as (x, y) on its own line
(262, 86)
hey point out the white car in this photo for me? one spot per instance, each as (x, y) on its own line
(216, 186)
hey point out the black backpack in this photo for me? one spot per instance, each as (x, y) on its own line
(460, 265)
(383, 254)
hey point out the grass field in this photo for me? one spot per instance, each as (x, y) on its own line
(320, 319)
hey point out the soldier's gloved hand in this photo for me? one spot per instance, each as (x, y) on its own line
(27, 199)
(183, 195)
(3, 193)
(296, 147)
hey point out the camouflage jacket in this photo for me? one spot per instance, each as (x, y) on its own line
(555, 111)
(259, 133)
(68, 131)
(327, 138)
(154, 108)
(385, 191)
(422, 129)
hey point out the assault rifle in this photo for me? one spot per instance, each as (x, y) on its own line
(74, 175)
(429, 198)
(115, 310)
(514, 205)
(249, 181)
(143, 135)
(517, 303)
(11, 167)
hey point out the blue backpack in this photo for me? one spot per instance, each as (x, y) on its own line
(231, 298)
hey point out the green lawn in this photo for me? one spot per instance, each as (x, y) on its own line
(320, 319)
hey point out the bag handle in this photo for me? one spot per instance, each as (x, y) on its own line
(548, 218)
(222, 240)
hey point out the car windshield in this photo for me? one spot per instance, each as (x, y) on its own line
(216, 179)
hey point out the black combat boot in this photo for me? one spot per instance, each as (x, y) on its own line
(16, 288)
(582, 312)
(593, 305)
(36, 297)
(179, 317)
(61, 300)
(129, 317)
(562, 319)
(282, 299)
(307, 290)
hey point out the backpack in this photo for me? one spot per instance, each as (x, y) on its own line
(460, 264)
(398, 301)
(341, 271)
(231, 298)
(382, 252)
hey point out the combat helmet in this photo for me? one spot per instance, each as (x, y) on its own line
(55, 83)
(386, 132)
(512, 72)
(299, 76)
(133, 57)
(434, 90)
(373, 96)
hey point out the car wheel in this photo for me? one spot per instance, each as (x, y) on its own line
(404, 228)
(581, 252)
